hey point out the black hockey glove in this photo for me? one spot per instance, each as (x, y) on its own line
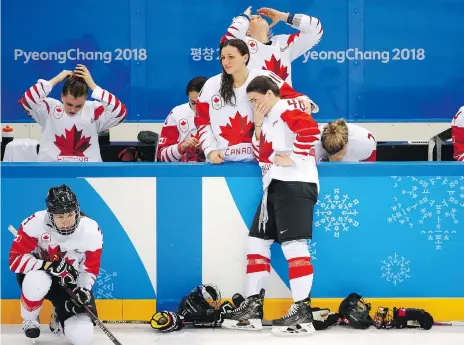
(83, 295)
(65, 272)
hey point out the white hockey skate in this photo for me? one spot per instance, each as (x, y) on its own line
(31, 329)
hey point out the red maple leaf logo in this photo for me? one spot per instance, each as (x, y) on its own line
(183, 123)
(252, 44)
(240, 130)
(216, 100)
(265, 149)
(274, 65)
(72, 143)
(58, 110)
(54, 253)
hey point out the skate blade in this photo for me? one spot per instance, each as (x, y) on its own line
(254, 325)
(299, 330)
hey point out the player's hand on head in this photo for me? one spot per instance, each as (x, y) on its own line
(216, 157)
(273, 15)
(82, 72)
(64, 74)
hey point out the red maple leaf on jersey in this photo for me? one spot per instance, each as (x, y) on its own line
(240, 130)
(265, 149)
(52, 252)
(274, 65)
(72, 143)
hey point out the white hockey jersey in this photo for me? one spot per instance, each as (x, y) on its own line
(289, 130)
(71, 138)
(226, 128)
(457, 132)
(361, 147)
(37, 241)
(277, 56)
(178, 127)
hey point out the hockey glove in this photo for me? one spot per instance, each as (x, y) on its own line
(62, 270)
(71, 307)
(83, 295)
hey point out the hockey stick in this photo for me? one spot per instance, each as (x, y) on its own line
(93, 317)
(87, 309)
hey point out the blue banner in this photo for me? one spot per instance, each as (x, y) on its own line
(377, 61)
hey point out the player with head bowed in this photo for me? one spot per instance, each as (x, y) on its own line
(224, 115)
(275, 53)
(345, 142)
(70, 128)
(179, 139)
(57, 249)
(283, 143)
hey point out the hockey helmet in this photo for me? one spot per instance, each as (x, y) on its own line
(61, 203)
(355, 311)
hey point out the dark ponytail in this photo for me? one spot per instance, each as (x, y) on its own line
(227, 81)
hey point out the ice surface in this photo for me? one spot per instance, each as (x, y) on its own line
(144, 335)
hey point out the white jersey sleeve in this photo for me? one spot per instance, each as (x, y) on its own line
(309, 34)
(238, 28)
(109, 110)
(457, 133)
(35, 102)
(92, 244)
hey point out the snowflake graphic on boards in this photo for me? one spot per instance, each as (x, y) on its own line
(433, 205)
(395, 269)
(104, 285)
(336, 212)
(312, 250)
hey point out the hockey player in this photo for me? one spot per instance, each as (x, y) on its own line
(283, 142)
(224, 115)
(341, 141)
(457, 131)
(275, 53)
(178, 140)
(56, 249)
(70, 128)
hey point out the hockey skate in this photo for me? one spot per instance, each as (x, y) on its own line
(54, 323)
(248, 316)
(31, 329)
(298, 321)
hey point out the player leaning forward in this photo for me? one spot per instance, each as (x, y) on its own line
(56, 249)
(283, 143)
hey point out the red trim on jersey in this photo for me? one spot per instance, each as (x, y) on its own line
(371, 158)
(170, 134)
(98, 112)
(29, 95)
(458, 142)
(286, 91)
(23, 244)
(92, 261)
(202, 114)
(48, 107)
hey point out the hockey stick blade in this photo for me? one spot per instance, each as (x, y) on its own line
(94, 318)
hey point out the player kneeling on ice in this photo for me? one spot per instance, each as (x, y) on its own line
(55, 250)
(284, 135)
